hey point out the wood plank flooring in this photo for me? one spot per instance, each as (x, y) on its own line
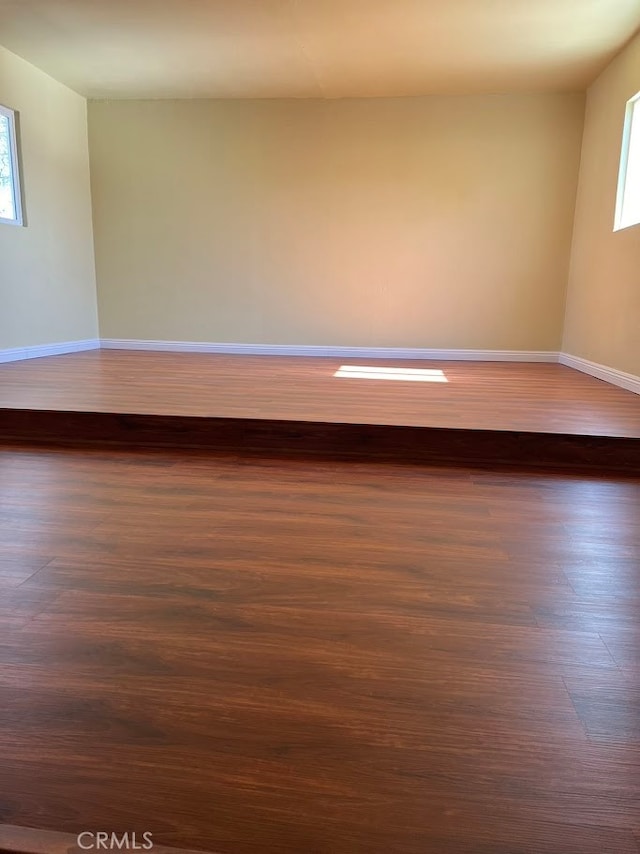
(478, 395)
(252, 656)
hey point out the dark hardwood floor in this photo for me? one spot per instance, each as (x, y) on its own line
(501, 396)
(253, 656)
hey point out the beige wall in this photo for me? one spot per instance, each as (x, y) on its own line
(426, 222)
(603, 304)
(47, 270)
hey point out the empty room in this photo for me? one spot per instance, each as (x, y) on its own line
(320, 426)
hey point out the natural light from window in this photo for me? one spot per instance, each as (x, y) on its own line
(10, 205)
(628, 205)
(412, 375)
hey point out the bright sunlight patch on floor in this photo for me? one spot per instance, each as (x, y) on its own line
(415, 375)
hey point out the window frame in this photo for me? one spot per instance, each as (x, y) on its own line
(630, 117)
(14, 162)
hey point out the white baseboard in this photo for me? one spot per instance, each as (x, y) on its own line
(17, 354)
(335, 352)
(630, 382)
(610, 375)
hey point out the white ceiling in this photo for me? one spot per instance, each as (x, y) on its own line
(316, 48)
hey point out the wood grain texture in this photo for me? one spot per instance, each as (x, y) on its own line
(167, 395)
(479, 395)
(314, 440)
(284, 656)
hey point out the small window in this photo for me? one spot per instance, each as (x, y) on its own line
(10, 198)
(628, 206)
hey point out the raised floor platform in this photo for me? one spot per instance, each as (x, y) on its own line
(425, 412)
